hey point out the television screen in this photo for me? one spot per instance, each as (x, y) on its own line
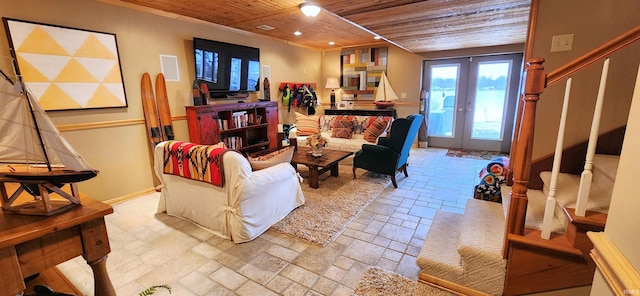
(226, 68)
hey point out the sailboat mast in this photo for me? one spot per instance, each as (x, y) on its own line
(33, 117)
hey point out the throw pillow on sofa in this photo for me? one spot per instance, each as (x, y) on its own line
(371, 119)
(375, 129)
(342, 129)
(326, 122)
(283, 155)
(307, 125)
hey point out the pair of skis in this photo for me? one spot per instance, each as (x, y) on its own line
(157, 114)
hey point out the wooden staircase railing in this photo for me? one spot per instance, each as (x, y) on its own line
(535, 83)
(526, 246)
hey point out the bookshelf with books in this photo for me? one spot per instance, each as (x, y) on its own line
(245, 127)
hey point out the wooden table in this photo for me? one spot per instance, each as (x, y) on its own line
(318, 165)
(31, 244)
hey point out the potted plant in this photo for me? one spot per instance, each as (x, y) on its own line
(316, 142)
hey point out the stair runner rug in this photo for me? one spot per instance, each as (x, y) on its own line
(475, 154)
(377, 281)
(328, 209)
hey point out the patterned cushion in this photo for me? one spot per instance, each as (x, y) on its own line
(371, 119)
(341, 132)
(342, 129)
(283, 155)
(360, 124)
(375, 129)
(345, 117)
(327, 121)
(307, 125)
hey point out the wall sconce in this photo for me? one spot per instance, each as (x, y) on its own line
(332, 83)
(309, 9)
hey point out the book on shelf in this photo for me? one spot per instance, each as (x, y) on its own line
(233, 142)
(240, 119)
(223, 124)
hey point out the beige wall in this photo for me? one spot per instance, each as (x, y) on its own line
(404, 70)
(122, 153)
(622, 222)
(593, 22)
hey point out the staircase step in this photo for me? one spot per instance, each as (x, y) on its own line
(481, 241)
(604, 170)
(535, 210)
(483, 226)
(567, 192)
(438, 256)
(607, 165)
(466, 249)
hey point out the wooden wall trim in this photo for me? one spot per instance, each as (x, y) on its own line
(617, 271)
(126, 197)
(105, 124)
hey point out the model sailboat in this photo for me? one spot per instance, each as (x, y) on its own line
(385, 95)
(34, 155)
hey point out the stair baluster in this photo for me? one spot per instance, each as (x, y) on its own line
(587, 174)
(550, 207)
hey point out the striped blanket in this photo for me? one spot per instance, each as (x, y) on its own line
(192, 161)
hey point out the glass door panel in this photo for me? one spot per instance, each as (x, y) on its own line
(444, 80)
(491, 95)
(446, 83)
(472, 101)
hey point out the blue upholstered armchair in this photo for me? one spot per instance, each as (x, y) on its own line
(391, 153)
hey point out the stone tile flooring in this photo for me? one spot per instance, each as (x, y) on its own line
(149, 249)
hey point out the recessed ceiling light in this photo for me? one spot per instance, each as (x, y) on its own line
(297, 33)
(332, 43)
(377, 37)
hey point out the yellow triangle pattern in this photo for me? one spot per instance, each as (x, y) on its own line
(38, 41)
(29, 72)
(56, 99)
(114, 75)
(103, 97)
(74, 72)
(93, 48)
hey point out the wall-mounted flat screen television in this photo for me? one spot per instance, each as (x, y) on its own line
(226, 68)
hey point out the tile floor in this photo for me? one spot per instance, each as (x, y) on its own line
(149, 249)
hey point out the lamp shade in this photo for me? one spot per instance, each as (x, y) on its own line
(332, 83)
(309, 9)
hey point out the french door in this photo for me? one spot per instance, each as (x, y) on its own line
(472, 101)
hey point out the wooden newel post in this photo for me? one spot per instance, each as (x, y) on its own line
(521, 161)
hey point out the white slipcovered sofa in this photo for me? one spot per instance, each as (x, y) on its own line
(353, 144)
(245, 207)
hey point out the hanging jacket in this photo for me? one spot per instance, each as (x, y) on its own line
(286, 95)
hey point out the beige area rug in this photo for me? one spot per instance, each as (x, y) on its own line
(328, 209)
(376, 281)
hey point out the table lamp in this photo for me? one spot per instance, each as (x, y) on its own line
(332, 83)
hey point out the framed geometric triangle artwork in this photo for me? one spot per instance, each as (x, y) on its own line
(67, 68)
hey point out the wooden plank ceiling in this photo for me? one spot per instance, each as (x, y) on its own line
(417, 26)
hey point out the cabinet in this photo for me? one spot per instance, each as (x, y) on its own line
(245, 127)
(362, 111)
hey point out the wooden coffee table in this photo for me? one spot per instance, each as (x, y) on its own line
(318, 165)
